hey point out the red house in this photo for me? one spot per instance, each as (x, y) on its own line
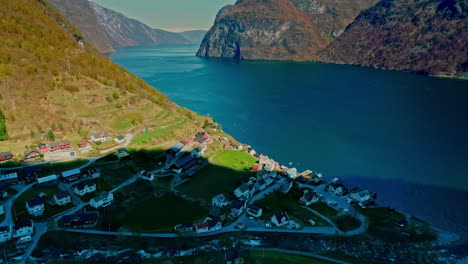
(71, 175)
(31, 154)
(59, 145)
(84, 144)
(6, 156)
(201, 137)
(43, 148)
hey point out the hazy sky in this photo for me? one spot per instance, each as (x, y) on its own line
(175, 15)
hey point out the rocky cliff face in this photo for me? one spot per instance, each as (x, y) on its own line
(123, 31)
(279, 29)
(80, 13)
(427, 36)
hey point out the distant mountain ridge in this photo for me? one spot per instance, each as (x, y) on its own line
(427, 36)
(194, 36)
(107, 29)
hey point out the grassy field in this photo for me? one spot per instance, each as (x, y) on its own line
(151, 136)
(277, 202)
(222, 175)
(20, 203)
(148, 207)
(101, 186)
(126, 121)
(384, 225)
(344, 222)
(267, 257)
(350, 259)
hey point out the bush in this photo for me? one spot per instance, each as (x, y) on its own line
(71, 88)
(3, 131)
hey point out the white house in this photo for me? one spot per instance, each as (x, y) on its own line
(62, 198)
(146, 175)
(337, 188)
(119, 139)
(237, 207)
(309, 198)
(84, 188)
(260, 185)
(292, 173)
(35, 206)
(359, 194)
(286, 186)
(214, 224)
(21, 229)
(5, 233)
(103, 200)
(280, 219)
(219, 201)
(9, 177)
(270, 166)
(242, 191)
(254, 211)
(94, 173)
(100, 137)
(198, 152)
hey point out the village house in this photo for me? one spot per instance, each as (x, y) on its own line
(198, 152)
(79, 220)
(360, 195)
(51, 179)
(31, 154)
(291, 173)
(309, 198)
(23, 228)
(268, 180)
(5, 233)
(184, 228)
(6, 156)
(100, 137)
(201, 137)
(256, 167)
(121, 153)
(3, 191)
(202, 227)
(270, 166)
(316, 179)
(31, 173)
(237, 207)
(184, 164)
(59, 145)
(62, 198)
(119, 139)
(94, 172)
(260, 185)
(71, 175)
(242, 192)
(35, 206)
(254, 211)
(9, 178)
(85, 188)
(219, 201)
(146, 175)
(337, 188)
(214, 224)
(103, 200)
(286, 186)
(43, 148)
(84, 145)
(280, 219)
(174, 151)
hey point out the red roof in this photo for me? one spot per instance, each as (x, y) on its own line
(201, 225)
(256, 167)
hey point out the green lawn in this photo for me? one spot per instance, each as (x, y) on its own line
(126, 121)
(222, 175)
(147, 137)
(277, 202)
(146, 207)
(101, 186)
(20, 203)
(268, 257)
(383, 224)
(343, 221)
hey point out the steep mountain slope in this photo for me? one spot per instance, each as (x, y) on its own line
(123, 31)
(429, 36)
(80, 13)
(194, 36)
(279, 29)
(51, 77)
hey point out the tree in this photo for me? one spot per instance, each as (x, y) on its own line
(50, 135)
(3, 130)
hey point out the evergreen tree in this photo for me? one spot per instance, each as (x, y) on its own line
(50, 135)
(3, 130)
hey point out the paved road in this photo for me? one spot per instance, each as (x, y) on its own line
(39, 229)
(7, 206)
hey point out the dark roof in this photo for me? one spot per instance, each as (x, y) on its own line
(202, 225)
(81, 186)
(22, 224)
(59, 143)
(40, 145)
(5, 154)
(280, 216)
(35, 202)
(237, 204)
(181, 162)
(215, 211)
(310, 195)
(212, 222)
(186, 225)
(262, 181)
(62, 194)
(30, 151)
(31, 170)
(244, 187)
(253, 208)
(81, 217)
(4, 229)
(120, 137)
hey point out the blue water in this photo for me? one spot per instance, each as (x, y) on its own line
(401, 134)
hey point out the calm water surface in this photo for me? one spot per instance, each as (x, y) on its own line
(401, 134)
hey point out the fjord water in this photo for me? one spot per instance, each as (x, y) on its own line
(400, 134)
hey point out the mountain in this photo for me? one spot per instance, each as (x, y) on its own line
(123, 31)
(194, 36)
(80, 13)
(279, 29)
(52, 79)
(428, 36)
